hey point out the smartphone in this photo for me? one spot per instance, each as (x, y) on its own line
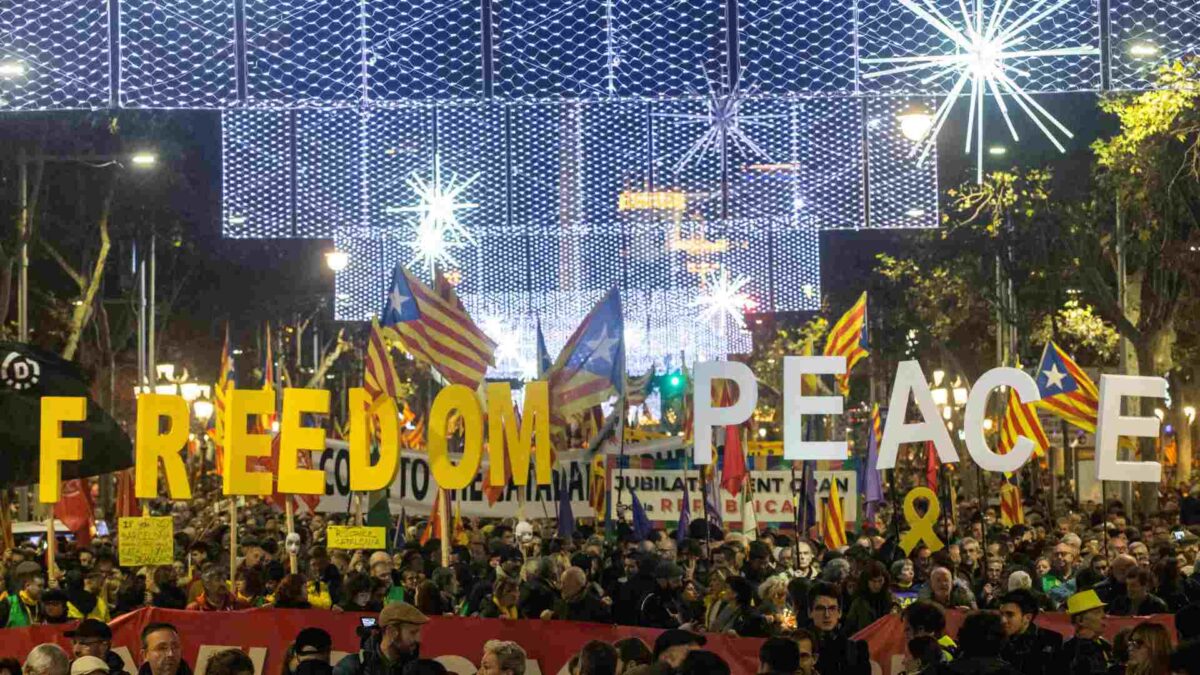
(101, 528)
(368, 621)
(1179, 535)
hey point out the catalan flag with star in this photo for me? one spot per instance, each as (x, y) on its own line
(436, 329)
(1066, 390)
(591, 367)
(848, 338)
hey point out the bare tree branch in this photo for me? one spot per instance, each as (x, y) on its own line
(82, 311)
(70, 271)
(332, 354)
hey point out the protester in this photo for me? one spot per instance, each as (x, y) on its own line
(88, 665)
(839, 655)
(671, 646)
(1149, 650)
(1027, 647)
(502, 658)
(598, 658)
(779, 656)
(872, 598)
(392, 643)
(162, 651)
(924, 656)
(1087, 653)
(230, 662)
(701, 662)
(23, 607)
(94, 638)
(47, 659)
(1140, 601)
(312, 644)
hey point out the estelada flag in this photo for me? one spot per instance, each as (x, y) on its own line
(833, 522)
(1011, 510)
(26, 375)
(848, 338)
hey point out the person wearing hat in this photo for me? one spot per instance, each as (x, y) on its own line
(24, 608)
(313, 644)
(54, 606)
(88, 665)
(392, 644)
(94, 638)
(663, 608)
(1087, 653)
(673, 645)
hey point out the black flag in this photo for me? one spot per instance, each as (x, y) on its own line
(26, 375)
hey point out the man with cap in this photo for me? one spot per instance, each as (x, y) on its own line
(94, 638)
(312, 648)
(672, 646)
(393, 643)
(54, 606)
(663, 608)
(1087, 653)
(88, 665)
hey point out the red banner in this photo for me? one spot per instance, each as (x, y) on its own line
(885, 637)
(457, 642)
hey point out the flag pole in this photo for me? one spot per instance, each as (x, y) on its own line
(233, 538)
(289, 512)
(444, 523)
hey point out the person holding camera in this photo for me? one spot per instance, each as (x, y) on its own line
(389, 645)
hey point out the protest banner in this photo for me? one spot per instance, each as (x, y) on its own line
(352, 538)
(414, 488)
(661, 491)
(146, 541)
(456, 642)
(887, 644)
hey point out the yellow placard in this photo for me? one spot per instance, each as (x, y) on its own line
(354, 538)
(146, 541)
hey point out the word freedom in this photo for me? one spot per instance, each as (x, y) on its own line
(513, 440)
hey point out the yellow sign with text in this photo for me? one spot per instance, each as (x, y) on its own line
(146, 541)
(354, 538)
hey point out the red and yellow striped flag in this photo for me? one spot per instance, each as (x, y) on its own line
(833, 523)
(1011, 510)
(225, 381)
(848, 338)
(379, 374)
(1021, 420)
(436, 329)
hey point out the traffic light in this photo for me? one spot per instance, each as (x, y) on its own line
(672, 385)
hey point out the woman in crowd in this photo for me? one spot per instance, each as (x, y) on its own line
(166, 592)
(740, 616)
(292, 593)
(1149, 650)
(872, 599)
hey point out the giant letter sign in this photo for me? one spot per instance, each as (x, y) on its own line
(364, 476)
(1022, 450)
(1112, 425)
(240, 444)
(508, 435)
(706, 416)
(796, 406)
(153, 446)
(910, 381)
(446, 474)
(295, 438)
(54, 448)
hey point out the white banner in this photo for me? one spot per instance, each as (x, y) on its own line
(414, 489)
(661, 493)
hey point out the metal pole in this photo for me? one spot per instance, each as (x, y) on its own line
(151, 350)
(141, 268)
(23, 246)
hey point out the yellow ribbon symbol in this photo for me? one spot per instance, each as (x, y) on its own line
(921, 527)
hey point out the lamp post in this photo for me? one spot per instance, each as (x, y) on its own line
(140, 160)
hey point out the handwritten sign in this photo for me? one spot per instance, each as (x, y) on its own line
(347, 537)
(146, 541)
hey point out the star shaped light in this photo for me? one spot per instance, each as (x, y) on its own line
(438, 228)
(722, 299)
(724, 120)
(1054, 377)
(986, 45)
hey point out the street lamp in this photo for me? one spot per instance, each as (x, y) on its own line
(143, 159)
(337, 260)
(1190, 413)
(202, 408)
(915, 122)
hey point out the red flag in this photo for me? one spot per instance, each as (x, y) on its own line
(75, 510)
(931, 466)
(733, 471)
(127, 504)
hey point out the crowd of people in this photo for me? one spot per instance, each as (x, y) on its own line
(806, 600)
